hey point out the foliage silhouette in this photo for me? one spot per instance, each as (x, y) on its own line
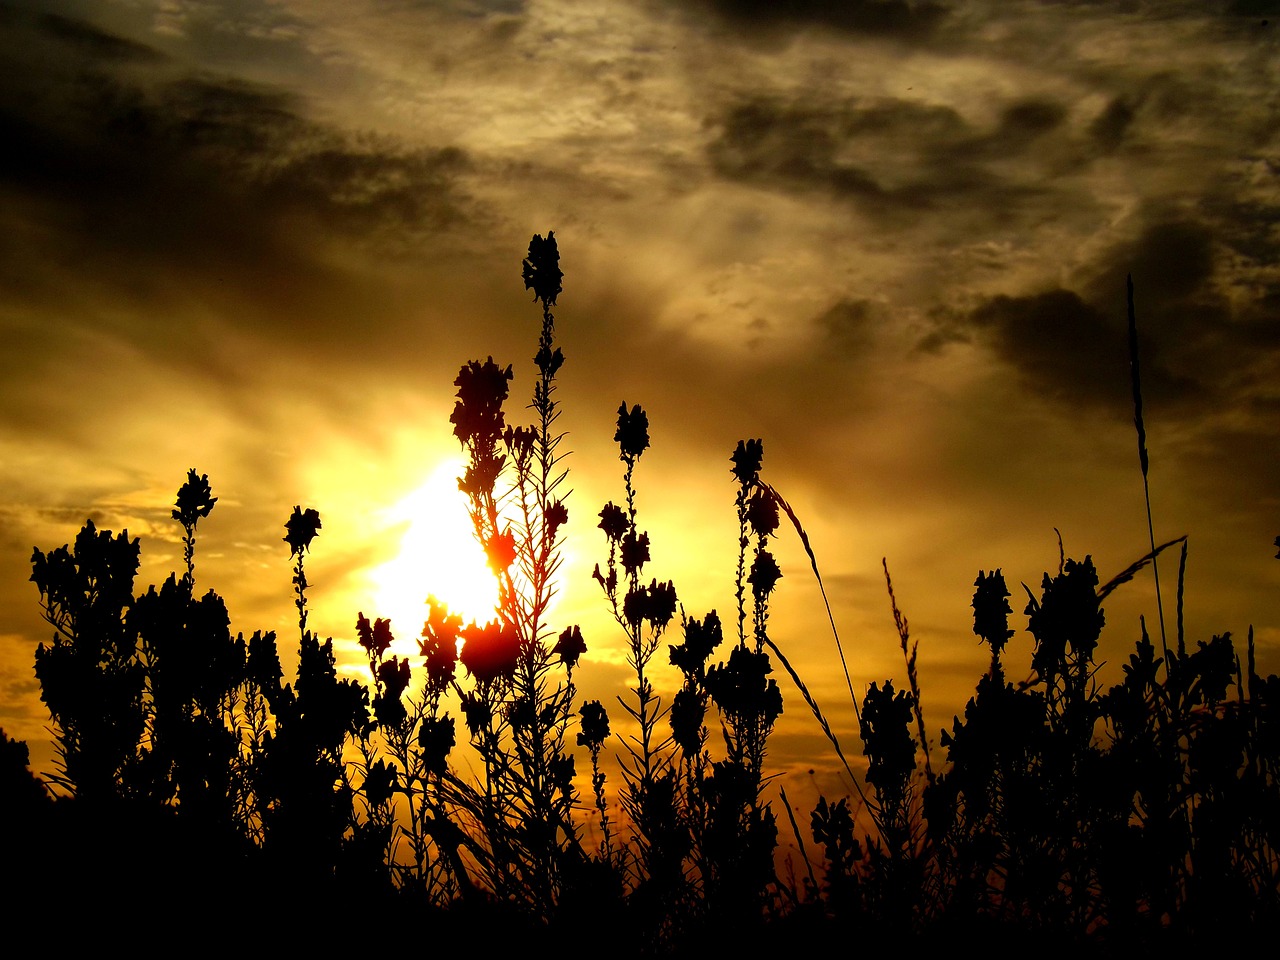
(191, 778)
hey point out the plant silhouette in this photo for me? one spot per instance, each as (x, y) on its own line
(193, 783)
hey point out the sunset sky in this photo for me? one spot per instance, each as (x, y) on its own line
(258, 238)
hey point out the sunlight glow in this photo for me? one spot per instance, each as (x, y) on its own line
(438, 555)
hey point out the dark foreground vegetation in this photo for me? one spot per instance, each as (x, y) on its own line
(201, 796)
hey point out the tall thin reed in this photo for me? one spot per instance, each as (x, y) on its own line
(1136, 379)
(800, 685)
(817, 714)
(1182, 580)
(795, 831)
(813, 562)
(913, 679)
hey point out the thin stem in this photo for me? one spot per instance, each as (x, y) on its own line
(1136, 378)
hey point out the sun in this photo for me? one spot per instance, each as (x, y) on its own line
(438, 556)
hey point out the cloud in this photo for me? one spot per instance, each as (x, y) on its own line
(198, 219)
(898, 160)
(1255, 8)
(174, 164)
(199, 168)
(1210, 348)
(97, 44)
(880, 18)
(1060, 346)
(1204, 361)
(848, 325)
(1022, 122)
(1110, 127)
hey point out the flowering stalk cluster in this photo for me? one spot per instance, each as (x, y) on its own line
(643, 612)
(698, 823)
(516, 711)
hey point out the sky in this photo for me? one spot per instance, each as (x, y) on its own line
(258, 238)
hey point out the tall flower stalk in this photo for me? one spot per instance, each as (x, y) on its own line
(519, 710)
(301, 528)
(195, 500)
(643, 612)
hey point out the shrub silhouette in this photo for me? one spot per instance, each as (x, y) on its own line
(191, 778)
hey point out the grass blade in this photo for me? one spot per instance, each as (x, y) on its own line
(813, 561)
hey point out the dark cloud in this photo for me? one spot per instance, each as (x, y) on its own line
(96, 43)
(1227, 346)
(798, 146)
(1246, 227)
(1172, 261)
(1255, 8)
(943, 329)
(152, 189)
(890, 157)
(1109, 128)
(791, 147)
(197, 167)
(848, 325)
(1026, 120)
(187, 160)
(1199, 356)
(487, 7)
(885, 18)
(1060, 346)
(1023, 124)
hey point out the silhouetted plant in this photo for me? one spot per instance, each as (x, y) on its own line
(374, 834)
(594, 731)
(1144, 814)
(703, 838)
(90, 677)
(511, 834)
(195, 500)
(21, 791)
(650, 797)
(300, 777)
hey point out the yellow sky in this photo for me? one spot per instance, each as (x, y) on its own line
(888, 239)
